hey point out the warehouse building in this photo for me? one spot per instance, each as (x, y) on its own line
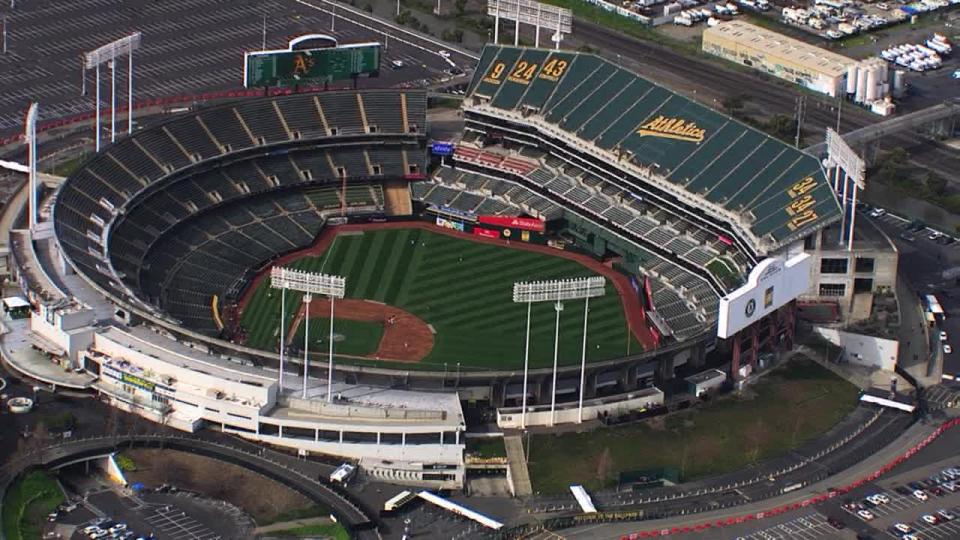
(779, 55)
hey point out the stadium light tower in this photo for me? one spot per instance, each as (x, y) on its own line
(108, 54)
(309, 283)
(30, 136)
(556, 291)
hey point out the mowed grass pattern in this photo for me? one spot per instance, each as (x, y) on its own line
(358, 338)
(464, 289)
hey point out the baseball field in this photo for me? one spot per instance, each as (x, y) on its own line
(434, 300)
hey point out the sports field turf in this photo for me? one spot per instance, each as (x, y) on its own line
(462, 288)
(787, 407)
(357, 338)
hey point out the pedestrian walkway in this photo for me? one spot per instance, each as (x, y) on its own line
(518, 466)
(293, 524)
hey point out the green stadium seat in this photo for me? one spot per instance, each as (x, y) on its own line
(559, 109)
(614, 109)
(520, 77)
(598, 100)
(554, 70)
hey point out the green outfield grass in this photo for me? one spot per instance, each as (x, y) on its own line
(463, 289)
(787, 407)
(359, 338)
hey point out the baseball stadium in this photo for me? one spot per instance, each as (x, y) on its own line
(672, 203)
(585, 238)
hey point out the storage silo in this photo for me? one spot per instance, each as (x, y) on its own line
(852, 79)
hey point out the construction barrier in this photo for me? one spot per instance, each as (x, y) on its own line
(801, 504)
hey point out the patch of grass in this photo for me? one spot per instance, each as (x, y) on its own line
(297, 513)
(357, 338)
(722, 271)
(125, 463)
(26, 504)
(486, 447)
(462, 288)
(793, 404)
(68, 167)
(333, 531)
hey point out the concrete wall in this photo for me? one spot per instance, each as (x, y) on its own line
(863, 350)
(510, 418)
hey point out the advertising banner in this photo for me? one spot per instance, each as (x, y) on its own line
(486, 233)
(448, 224)
(138, 381)
(529, 224)
(441, 148)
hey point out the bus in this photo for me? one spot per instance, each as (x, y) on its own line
(933, 306)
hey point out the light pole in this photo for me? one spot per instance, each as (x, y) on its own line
(307, 298)
(309, 283)
(108, 54)
(4, 34)
(558, 307)
(555, 291)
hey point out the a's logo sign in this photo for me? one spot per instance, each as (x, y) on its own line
(751, 308)
(672, 128)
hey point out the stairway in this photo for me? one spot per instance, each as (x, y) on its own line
(518, 465)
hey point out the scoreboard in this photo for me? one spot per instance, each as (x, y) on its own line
(310, 66)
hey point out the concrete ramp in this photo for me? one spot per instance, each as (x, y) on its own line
(518, 466)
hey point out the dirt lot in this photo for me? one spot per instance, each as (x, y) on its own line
(216, 479)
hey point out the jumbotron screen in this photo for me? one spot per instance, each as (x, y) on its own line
(310, 66)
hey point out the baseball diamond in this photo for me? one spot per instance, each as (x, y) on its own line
(460, 287)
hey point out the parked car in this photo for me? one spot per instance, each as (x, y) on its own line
(945, 514)
(947, 349)
(865, 515)
(930, 518)
(943, 337)
(902, 528)
(920, 494)
(835, 523)
(878, 212)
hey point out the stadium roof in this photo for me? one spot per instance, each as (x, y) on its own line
(774, 189)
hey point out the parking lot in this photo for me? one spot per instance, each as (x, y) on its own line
(174, 515)
(806, 527)
(171, 522)
(188, 47)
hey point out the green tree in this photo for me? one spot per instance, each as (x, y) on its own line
(936, 184)
(781, 126)
(734, 104)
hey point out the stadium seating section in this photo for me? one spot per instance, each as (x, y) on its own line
(187, 209)
(771, 190)
(449, 187)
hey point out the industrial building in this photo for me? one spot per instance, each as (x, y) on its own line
(779, 55)
(867, 82)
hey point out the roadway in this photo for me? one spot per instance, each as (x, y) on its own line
(300, 475)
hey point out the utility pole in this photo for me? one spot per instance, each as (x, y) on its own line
(801, 101)
(263, 40)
